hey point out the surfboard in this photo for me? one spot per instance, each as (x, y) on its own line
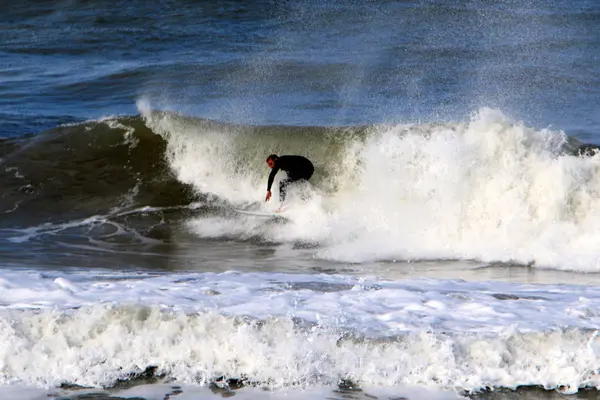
(261, 214)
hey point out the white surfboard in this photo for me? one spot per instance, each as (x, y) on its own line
(261, 214)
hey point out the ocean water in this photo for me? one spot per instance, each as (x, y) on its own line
(447, 247)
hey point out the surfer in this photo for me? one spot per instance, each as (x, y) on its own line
(298, 168)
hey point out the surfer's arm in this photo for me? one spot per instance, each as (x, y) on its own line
(271, 178)
(270, 183)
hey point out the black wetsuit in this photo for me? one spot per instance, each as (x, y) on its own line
(297, 168)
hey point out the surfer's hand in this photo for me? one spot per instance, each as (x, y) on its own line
(268, 195)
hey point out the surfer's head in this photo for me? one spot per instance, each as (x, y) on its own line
(271, 160)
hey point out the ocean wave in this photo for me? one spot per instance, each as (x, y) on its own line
(488, 188)
(293, 330)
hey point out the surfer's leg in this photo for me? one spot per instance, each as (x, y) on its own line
(283, 188)
(304, 188)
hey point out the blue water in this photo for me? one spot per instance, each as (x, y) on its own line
(302, 62)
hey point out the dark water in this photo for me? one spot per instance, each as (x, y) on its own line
(85, 181)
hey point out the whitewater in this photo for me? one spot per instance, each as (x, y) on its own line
(295, 330)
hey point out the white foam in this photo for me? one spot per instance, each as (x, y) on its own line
(287, 329)
(490, 189)
(204, 158)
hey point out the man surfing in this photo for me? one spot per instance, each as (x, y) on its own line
(298, 168)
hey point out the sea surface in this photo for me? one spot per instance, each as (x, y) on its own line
(447, 247)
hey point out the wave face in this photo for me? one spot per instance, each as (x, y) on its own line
(489, 189)
(80, 170)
